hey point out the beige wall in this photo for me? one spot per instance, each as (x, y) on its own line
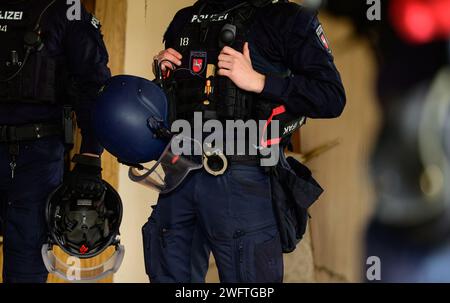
(340, 216)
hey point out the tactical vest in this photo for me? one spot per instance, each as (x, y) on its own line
(199, 43)
(196, 89)
(40, 80)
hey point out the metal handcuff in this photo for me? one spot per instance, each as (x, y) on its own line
(215, 162)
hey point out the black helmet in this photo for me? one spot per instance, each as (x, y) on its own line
(83, 229)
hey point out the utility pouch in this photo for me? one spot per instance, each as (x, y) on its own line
(232, 102)
(294, 190)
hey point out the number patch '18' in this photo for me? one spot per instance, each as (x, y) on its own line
(184, 41)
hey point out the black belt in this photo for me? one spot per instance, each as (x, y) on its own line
(217, 164)
(30, 132)
(245, 159)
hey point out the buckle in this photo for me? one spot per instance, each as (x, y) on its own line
(37, 131)
(215, 162)
(11, 133)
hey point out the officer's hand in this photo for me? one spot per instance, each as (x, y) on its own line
(170, 55)
(85, 180)
(238, 67)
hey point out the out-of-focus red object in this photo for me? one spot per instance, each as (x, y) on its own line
(421, 21)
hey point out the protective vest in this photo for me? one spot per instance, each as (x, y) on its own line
(197, 89)
(28, 74)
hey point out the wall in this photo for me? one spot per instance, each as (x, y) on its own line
(339, 218)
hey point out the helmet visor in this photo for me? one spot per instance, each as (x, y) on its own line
(171, 169)
(75, 270)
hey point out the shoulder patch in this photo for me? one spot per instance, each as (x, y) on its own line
(322, 38)
(95, 22)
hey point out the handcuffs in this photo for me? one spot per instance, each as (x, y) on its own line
(215, 162)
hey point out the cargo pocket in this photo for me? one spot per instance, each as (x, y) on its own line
(269, 261)
(152, 248)
(259, 255)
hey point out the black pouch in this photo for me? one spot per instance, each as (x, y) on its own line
(294, 190)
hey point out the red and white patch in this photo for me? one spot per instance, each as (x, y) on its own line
(198, 62)
(322, 38)
(197, 65)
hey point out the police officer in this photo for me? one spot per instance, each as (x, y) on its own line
(258, 55)
(48, 64)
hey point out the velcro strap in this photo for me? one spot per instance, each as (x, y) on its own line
(28, 132)
(87, 160)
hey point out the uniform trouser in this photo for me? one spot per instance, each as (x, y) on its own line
(231, 214)
(39, 171)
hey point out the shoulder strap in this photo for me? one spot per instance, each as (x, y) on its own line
(260, 3)
(264, 3)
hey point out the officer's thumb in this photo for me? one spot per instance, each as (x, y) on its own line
(247, 52)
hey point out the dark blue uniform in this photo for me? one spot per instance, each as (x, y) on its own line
(232, 214)
(78, 46)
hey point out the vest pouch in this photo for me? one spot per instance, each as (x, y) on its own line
(188, 95)
(294, 190)
(38, 79)
(232, 103)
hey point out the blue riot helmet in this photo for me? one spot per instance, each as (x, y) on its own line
(122, 115)
(131, 121)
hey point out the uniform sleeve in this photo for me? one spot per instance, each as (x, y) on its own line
(87, 60)
(315, 88)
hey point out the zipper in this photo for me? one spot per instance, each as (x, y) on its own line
(240, 233)
(240, 260)
(163, 235)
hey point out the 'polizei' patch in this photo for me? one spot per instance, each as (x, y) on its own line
(11, 15)
(211, 18)
(322, 38)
